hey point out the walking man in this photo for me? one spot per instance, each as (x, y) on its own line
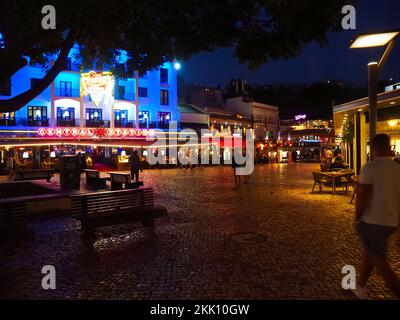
(377, 214)
(136, 165)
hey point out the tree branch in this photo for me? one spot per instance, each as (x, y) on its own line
(15, 103)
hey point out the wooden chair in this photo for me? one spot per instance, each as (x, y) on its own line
(355, 181)
(319, 179)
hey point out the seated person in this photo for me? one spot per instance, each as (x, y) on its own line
(338, 163)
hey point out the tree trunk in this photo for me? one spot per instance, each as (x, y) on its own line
(17, 102)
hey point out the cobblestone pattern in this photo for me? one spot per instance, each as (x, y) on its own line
(306, 240)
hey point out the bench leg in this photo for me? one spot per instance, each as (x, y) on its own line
(148, 222)
(88, 233)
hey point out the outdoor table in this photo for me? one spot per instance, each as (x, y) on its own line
(335, 175)
(118, 179)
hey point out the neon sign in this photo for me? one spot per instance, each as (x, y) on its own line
(98, 85)
(300, 117)
(94, 132)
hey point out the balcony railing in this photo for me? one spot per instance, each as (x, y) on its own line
(124, 124)
(66, 123)
(126, 96)
(7, 122)
(97, 123)
(66, 92)
(38, 123)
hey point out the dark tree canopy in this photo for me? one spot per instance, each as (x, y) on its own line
(155, 31)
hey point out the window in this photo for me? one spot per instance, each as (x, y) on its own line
(5, 88)
(7, 115)
(120, 118)
(65, 116)
(120, 92)
(144, 117)
(93, 114)
(164, 97)
(163, 118)
(163, 75)
(142, 92)
(7, 118)
(66, 88)
(35, 82)
(37, 116)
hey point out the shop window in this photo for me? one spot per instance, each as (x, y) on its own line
(164, 99)
(163, 75)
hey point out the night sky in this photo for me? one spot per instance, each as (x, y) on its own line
(336, 61)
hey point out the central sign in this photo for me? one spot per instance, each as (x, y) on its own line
(98, 85)
(94, 132)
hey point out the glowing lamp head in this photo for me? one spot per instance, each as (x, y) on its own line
(52, 154)
(373, 40)
(177, 65)
(25, 155)
(123, 153)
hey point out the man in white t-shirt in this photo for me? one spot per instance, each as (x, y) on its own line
(378, 213)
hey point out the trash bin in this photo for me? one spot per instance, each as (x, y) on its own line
(70, 172)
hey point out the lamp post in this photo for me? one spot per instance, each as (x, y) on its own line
(387, 39)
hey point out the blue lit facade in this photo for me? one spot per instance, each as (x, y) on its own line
(142, 101)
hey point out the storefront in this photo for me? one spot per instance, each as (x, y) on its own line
(351, 121)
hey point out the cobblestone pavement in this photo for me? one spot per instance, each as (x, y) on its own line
(271, 240)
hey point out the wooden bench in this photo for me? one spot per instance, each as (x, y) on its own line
(13, 219)
(34, 174)
(93, 179)
(114, 207)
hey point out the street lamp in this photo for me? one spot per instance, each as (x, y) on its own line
(387, 39)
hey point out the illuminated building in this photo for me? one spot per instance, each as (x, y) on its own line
(87, 106)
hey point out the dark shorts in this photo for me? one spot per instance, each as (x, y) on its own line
(375, 237)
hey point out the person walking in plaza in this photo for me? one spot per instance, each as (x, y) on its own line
(136, 165)
(235, 165)
(10, 164)
(377, 214)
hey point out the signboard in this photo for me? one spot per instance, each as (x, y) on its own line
(300, 117)
(70, 172)
(99, 85)
(94, 132)
(392, 87)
